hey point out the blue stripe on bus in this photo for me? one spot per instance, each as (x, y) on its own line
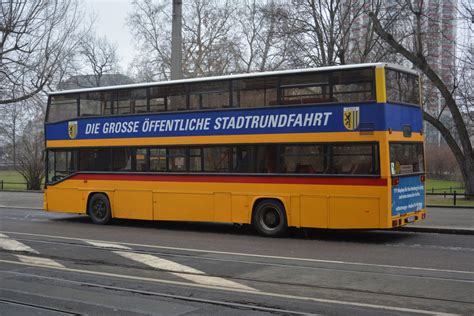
(295, 119)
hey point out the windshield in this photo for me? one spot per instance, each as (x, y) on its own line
(406, 158)
(402, 87)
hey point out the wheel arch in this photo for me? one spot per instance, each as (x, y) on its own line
(107, 195)
(278, 199)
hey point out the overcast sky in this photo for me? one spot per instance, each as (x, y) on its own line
(112, 22)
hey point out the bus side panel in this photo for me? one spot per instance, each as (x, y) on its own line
(354, 212)
(240, 209)
(68, 200)
(314, 211)
(294, 217)
(183, 206)
(222, 207)
(133, 204)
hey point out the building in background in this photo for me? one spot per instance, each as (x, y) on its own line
(439, 30)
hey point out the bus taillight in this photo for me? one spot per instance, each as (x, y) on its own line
(422, 178)
(395, 181)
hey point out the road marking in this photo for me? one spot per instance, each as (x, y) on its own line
(181, 270)
(250, 255)
(22, 207)
(39, 261)
(107, 245)
(268, 294)
(11, 244)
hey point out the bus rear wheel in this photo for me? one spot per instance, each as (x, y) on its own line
(269, 218)
(99, 209)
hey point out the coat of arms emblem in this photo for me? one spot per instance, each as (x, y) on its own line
(351, 118)
(72, 129)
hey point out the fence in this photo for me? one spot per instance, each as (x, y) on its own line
(10, 185)
(7, 185)
(450, 199)
(444, 190)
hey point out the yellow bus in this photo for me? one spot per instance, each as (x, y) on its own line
(334, 147)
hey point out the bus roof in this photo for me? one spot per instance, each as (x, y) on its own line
(237, 76)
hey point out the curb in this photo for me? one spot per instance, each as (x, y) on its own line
(438, 230)
(22, 191)
(451, 206)
(22, 207)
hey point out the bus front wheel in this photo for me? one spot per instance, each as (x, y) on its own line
(269, 218)
(99, 209)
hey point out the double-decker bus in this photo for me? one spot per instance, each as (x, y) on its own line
(334, 147)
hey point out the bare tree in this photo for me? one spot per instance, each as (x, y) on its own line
(95, 57)
(99, 56)
(264, 39)
(208, 43)
(30, 151)
(320, 30)
(150, 23)
(14, 118)
(418, 54)
(35, 36)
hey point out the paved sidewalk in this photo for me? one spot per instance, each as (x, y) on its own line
(439, 219)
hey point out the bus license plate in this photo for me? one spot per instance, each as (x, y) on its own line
(410, 219)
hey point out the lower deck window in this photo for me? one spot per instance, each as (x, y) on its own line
(406, 158)
(301, 159)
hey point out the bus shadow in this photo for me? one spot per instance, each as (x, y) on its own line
(360, 236)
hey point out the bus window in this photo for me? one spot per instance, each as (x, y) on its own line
(158, 159)
(406, 158)
(177, 159)
(354, 159)
(176, 97)
(402, 87)
(354, 85)
(304, 159)
(242, 159)
(266, 159)
(209, 95)
(305, 89)
(255, 92)
(61, 163)
(195, 159)
(97, 159)
(217, 159)
(157, 99)
(89, 104)
(122, 105)
(139, 159)
(62, 107)
(139, 100)
(121, 159)
(107, 103)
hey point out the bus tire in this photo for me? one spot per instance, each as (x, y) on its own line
(269, 218)
(99, 209)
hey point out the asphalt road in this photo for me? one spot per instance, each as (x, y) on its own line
(53, 264)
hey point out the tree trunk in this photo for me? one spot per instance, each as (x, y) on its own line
(464, 152)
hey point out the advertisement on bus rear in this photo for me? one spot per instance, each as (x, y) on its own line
(408, 196)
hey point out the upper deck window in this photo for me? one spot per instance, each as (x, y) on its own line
(209, 95)
(62, 107)
(293, 88)
(89, 104)
(402, 87)
(255, 92)
(340, 86)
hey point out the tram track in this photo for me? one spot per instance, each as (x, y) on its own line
(38, 307)
(258, 283)
(242, 306)
(255, 306)
(299, 265)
